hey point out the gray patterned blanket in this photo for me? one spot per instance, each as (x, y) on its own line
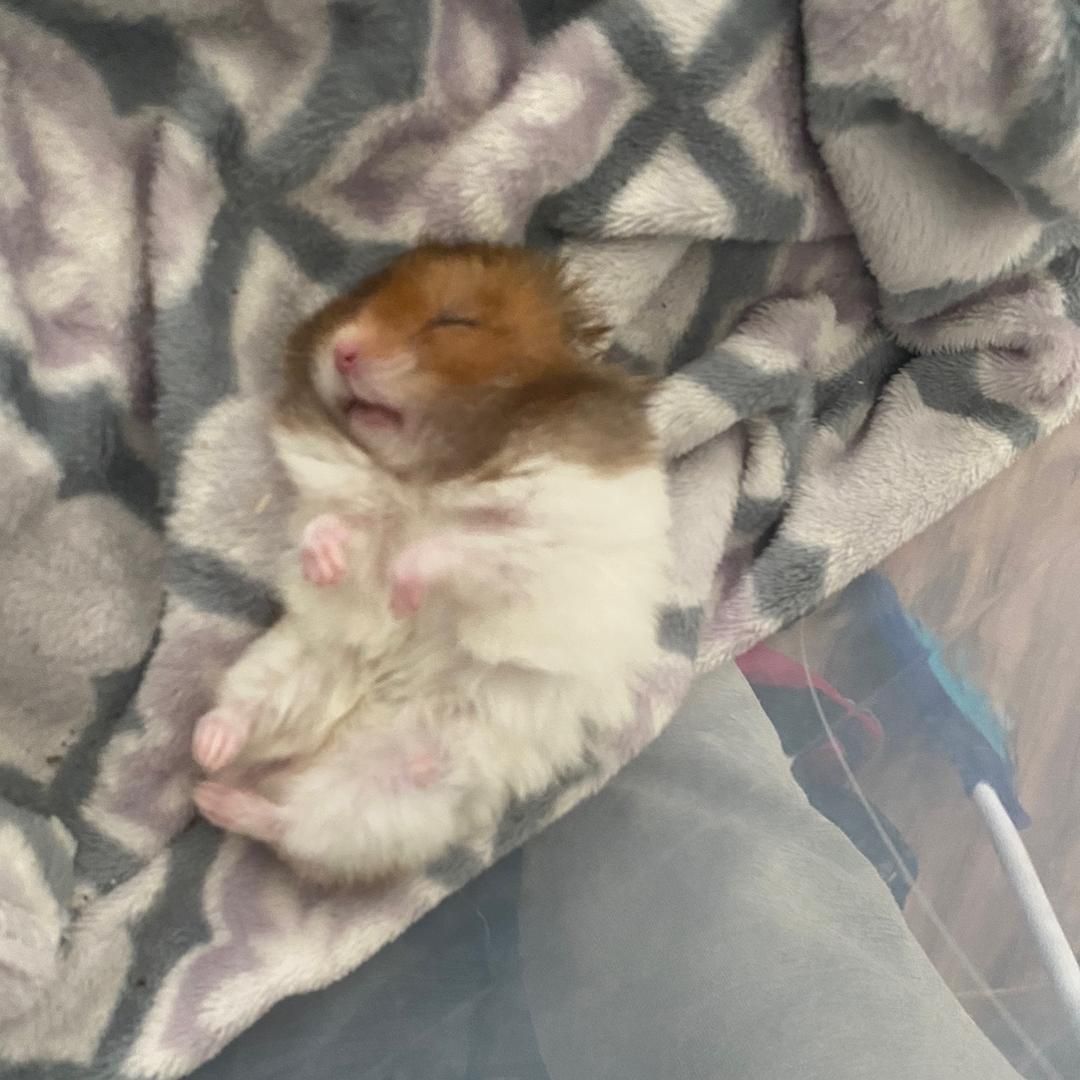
(844, 230)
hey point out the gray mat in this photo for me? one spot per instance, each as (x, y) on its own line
(696, 919)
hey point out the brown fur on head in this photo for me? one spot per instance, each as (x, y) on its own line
(434, 363)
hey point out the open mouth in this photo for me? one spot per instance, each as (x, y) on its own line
(373, 414)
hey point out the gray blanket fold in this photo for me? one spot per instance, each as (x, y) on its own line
(845, 232)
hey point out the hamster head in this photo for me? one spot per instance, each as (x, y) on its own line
(415, 363)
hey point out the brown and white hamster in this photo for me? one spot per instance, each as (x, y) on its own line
(480, 551)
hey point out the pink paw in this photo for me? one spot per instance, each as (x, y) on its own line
(416, 569)
(219, 736)
(322, 550)
(239, 811)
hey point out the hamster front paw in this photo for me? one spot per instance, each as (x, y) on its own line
(418, 568)
(322, 550)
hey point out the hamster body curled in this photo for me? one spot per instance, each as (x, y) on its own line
(479, 552)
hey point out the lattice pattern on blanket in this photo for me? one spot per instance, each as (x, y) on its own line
(844, 230)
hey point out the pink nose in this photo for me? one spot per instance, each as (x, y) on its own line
(346, 356)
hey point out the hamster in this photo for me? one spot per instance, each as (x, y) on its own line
(479, 552)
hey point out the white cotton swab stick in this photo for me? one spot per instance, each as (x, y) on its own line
(1054, 949)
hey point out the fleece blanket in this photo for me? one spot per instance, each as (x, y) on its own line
(844, 231)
